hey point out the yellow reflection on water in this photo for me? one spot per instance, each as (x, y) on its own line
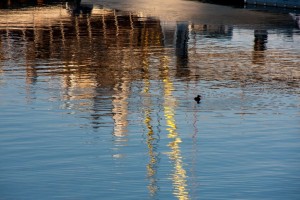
(179, 174)
(151, 166)
(151, 139)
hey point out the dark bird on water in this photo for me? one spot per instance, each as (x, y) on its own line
(198, 98)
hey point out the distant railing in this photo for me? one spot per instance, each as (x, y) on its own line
(277, 3)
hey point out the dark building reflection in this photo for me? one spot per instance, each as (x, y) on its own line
(260, 45)
(213, 31)
(198, 34)
(76, 8)
(260, 40)
(182, 38)
(178, 36)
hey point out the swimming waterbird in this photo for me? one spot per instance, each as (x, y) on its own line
(198, 98)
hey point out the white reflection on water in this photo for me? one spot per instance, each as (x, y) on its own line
(101, 100)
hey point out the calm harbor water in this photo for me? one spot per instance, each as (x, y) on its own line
(97, 101)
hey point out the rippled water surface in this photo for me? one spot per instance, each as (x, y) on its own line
(97, 101)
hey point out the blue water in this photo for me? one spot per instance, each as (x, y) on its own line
(93, 109)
